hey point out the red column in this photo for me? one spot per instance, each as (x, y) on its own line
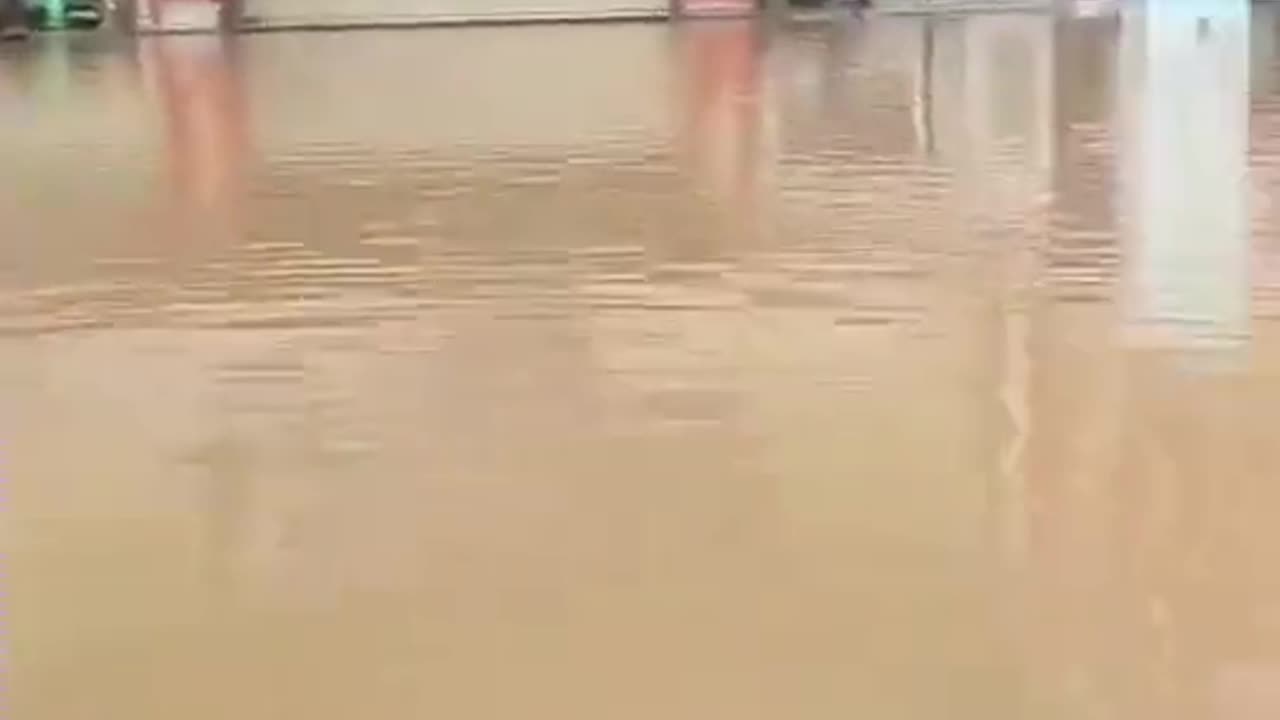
(720, 67)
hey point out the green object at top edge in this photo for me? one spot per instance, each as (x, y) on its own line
(55, 14)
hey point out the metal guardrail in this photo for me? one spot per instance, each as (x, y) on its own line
(948, 6)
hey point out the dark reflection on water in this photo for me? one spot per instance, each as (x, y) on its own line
(910, 369)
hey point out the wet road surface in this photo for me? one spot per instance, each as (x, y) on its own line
(907, 369)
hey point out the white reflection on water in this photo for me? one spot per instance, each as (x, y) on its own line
(1189, 103)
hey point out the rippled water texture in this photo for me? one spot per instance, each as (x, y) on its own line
(911, 369)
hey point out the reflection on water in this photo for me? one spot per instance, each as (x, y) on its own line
(639, 371)
(1190, 165)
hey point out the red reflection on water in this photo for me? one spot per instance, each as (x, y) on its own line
(721, 64)
(206, 120)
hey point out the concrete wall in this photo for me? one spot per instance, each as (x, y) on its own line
(946, 6)
(292, 13)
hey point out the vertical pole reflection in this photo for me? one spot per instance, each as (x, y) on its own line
(1187, 87)
(6, 513)
(200, 95)
(922, 107)
(721, 135)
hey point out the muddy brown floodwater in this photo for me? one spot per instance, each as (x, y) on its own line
(910, 369)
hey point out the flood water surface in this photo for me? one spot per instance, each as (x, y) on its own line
(899, 369)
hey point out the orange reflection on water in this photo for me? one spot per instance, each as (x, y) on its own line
(205, 116)
(721, 76)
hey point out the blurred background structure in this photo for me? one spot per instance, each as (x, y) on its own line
(206, 15)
